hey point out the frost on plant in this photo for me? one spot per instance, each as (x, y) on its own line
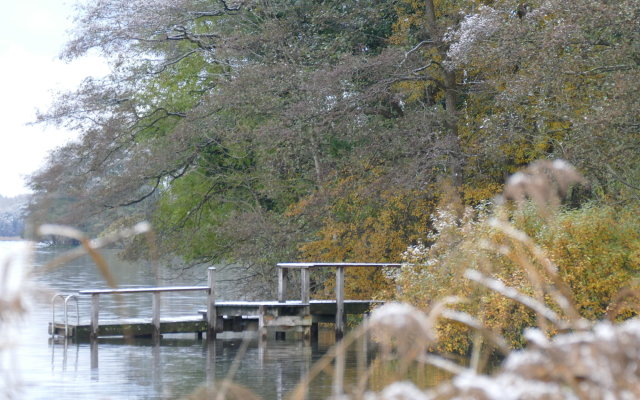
(473, 28)
(402, 326)
(399, 391)
(545, 182)
(601, 363)
(447, 229)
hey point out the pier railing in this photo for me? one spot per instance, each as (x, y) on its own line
(304, 283)
(156, 291)
(284, 315)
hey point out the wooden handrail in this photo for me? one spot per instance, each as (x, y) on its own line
(155, 304)
(144, 290)
(304, 283)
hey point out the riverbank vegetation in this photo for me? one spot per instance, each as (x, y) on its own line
(256, 132)
(547, 295)
(590, 255)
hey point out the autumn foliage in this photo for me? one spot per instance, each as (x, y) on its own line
(251, 133)
(588, 255)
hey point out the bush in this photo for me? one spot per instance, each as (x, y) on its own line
(595, 250)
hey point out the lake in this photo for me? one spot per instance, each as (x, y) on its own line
(33, 366)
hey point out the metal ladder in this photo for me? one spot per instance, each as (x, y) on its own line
(65, 298)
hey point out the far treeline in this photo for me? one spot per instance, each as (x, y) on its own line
(255, 132)
(12, 216)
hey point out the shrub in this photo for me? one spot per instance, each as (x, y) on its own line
(577, 262)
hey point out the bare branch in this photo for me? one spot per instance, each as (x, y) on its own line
(604, 68)
(139, 199)
(414, 49)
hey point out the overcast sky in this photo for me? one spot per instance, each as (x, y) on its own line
(32, 34)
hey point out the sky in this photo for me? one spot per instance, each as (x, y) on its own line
(32, 34)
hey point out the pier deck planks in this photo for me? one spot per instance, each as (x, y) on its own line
(134, 327)
(231, 315)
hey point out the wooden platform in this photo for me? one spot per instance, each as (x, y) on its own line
(134, 327)
(319, 310)
(220, 316)
(231, 316)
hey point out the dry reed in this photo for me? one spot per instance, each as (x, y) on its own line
(586, 360)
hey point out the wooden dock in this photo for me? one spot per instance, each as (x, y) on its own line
(280, 316)
(232, 316)
(132, 327)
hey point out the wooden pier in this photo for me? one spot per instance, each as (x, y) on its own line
(281, 316)
(132, 327)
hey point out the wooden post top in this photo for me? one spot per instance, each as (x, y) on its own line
(301, 265)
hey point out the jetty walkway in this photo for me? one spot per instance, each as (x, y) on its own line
(281, 315)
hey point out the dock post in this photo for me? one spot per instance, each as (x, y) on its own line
(94, 356)
(282, 284)
(262, 323)
(304, 298)
(95, 313)
(304, 285)
(338, 371)
(211, 365)
(211, 304)
(155, 320)
(339, 302)
(362, 344)
(314, 332)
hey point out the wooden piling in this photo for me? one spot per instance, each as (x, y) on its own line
(304, 285)
(340, 316)
(155, 318)
(338, 371)
(95, 314)
(340, 320)
(262, 323)
(282, 284)
(211, 304)
(94, 354)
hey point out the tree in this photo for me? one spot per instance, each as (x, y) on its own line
(553, 78)
(252, 132)
(216, 118)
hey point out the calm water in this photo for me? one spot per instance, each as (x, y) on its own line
(35, 367)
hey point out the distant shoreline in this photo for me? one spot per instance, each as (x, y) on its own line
(10, 238)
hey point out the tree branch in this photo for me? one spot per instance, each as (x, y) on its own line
(138, 200)
(176, 60)
(414, 49)
(616, 176)
(604, 68)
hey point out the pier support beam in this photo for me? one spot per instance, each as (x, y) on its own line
(340, 317)
(338, 371)
(155, 318)
(211, 304)
(282, 284)
(94, 354)
(95, 314)
(262, 323)
(304, 285)
(314, 331)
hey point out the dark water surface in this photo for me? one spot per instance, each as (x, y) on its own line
(40, 368)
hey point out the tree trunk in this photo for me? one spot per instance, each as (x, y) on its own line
(455, 157)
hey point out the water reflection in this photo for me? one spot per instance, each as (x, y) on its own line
(175, 366)
(142, 368)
